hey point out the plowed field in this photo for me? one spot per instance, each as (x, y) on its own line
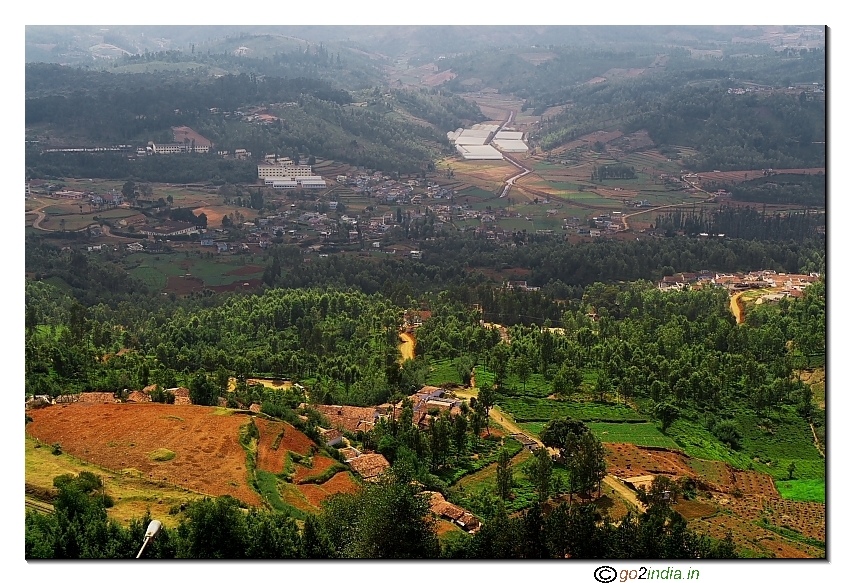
(208, 456)
(316, 493)
(272, 459)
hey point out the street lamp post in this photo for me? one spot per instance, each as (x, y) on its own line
(153, 529)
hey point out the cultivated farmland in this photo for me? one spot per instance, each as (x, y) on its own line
(208, 458)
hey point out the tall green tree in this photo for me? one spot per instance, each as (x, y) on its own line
(504, 475)
(539, 469)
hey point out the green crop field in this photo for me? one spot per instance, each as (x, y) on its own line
(771, 453)
(802, 490)
(442, 371)
(636, 433)
(533, 409)
(474, 191)
(536, 386)
(151, 277)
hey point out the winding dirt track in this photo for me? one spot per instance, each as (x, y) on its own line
(407, 346)
(736, 306)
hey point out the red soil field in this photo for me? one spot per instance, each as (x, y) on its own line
(313, 493)
(292, 440)
(253, 283)
(339, 483)
(749, 495)
(439, 78)
(296, 497)
(183, 285)
(208, 457)
(320, 465)
(690, 509)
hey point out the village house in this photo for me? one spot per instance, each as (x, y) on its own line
(451, 512)
(369, 466)
(348, 418)
(526, 441)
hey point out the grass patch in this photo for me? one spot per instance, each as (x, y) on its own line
(484, 377)
(278, 438)
(223, 411)
(768, 445)
(150, 277)
(324, 476)
(476, 492)
(802, 490)
(133, 494)
(267, 486)
(162, 455)
(536, 386)
(533, 427)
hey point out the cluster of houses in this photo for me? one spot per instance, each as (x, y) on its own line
(785, 284)
(427, 402)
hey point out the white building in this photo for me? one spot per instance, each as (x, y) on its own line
(283, 169)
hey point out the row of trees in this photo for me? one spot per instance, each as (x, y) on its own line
(387, 520)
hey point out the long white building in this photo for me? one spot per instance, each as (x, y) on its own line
(283, 169)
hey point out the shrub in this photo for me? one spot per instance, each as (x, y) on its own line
(727, 431)
(56, 449)
(162, 455)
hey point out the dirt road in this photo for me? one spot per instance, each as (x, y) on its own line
(735, 305)
(621, 489)
(509, 425)
(37, 223)
(624, 491)
(407, 346)
(711, 196)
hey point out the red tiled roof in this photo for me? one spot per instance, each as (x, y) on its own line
(369, 465)
(346, 418)
(331, 435)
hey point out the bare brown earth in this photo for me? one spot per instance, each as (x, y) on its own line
(120, 437)
(183, 285)
(272, 458)
(729, 499)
